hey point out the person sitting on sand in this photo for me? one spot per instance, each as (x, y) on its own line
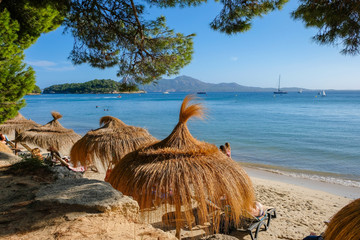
(228, 149)
(343, 225)
(35, 153)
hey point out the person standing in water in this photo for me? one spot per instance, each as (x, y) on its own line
(227, 149)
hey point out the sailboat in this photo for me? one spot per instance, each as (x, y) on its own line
(279, 91)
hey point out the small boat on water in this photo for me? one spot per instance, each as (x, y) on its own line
(165, 92)
(300, 91)
(201, 92)
(322, 93)
(279, 91)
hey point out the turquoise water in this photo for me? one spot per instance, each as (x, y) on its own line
(315, 136)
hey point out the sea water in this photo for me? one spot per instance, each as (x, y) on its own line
(302, 135)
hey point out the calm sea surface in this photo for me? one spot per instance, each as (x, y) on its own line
(299, 134)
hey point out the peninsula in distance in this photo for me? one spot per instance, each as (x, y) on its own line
(178, 84)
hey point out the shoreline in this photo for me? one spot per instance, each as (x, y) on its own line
(327, 177)
(332, 188)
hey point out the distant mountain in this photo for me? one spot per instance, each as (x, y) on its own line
(189, 84)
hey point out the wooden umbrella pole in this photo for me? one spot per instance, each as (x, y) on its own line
(178, 220)
(16, 135)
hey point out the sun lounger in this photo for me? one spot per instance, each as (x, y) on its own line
(12, 146)
(250, 224)
(26, 147)
(64, 163)
(253, 224)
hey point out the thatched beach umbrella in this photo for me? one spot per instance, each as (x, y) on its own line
(109, 143)
(182, 170)
(52, 134)
(345, 224)
(17, 124)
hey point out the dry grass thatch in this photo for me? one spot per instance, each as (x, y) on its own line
(345, 224)
(109, 143)
(52, 134)
(4, 148)
(18, 124)
(185, 172)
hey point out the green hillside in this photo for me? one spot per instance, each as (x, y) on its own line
(94, 86)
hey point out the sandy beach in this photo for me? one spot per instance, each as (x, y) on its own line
(301, 208)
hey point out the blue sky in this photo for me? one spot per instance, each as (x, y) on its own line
(275, 45)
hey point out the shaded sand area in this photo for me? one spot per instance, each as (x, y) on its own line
(300, 211)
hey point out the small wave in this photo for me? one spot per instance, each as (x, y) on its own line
(328, 179)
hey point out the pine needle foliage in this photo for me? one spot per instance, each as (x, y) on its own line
(109, 143)
(185, 173)
(338, 22)
(236, 16)
(115, 33)
(21, 24)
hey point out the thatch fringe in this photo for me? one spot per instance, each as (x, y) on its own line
(56, 115)
(188, 111)
(181, 170)
(112, 120)
(18, 124)
(345, 223)
(4, 148)
(109, 143)
(52, 134)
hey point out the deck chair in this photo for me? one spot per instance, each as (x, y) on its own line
(30, 150)
(249, 224)
(12, 146)
(26, 147)
(67, 165)
(252, 224)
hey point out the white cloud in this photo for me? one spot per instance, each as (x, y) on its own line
(234, 58)
(60, 69)
(42, 63)
(52, 66)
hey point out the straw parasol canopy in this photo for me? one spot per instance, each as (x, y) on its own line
(17, 124)
(109, 143)
(52, 134)
(182, 170)
(4, 148)
(345, 223)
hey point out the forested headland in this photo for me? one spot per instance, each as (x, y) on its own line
(93, 86)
